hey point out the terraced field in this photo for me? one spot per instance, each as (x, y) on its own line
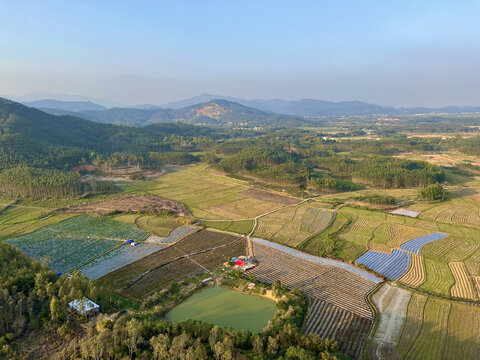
(430, 340)
(117, 258)
(462, 209)
(293, 224)
(331, 322)
(440, 329)
(335, 310)
(361, 231)
(439, 278)
(160, 226)
(463, 286)
(415, 245)
(392, 266)
(415, 276)
(400, 234)
(17, 220)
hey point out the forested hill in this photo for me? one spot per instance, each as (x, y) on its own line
(214, 112)
(32, 137)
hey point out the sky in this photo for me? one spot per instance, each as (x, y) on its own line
(399, 53)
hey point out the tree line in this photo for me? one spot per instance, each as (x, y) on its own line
(24, 181)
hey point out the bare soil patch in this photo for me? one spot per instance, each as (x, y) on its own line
(131, 204)
(392, 304)
(270, 196)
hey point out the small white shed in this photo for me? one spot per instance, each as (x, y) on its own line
(84, 306)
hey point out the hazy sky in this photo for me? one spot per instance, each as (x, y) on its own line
(386, 52)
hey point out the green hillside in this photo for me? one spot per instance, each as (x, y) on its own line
(214, 112)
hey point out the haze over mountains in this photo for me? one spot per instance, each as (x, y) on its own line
(208, 109)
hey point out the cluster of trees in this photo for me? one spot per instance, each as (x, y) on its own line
(432, 192)
(391, 172)
(176, 158)
(148, 335)
(24, 181)
(158, 339)
(31, 296)
(331, 183)
(27, 181)
(377, 199)
(296, 166)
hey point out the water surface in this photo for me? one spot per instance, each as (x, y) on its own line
(226, 308)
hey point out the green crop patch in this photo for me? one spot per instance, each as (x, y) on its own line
(70, 243)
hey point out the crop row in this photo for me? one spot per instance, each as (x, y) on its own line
(331, 322)
(463, 287)
(416, 274)
(440, 329)
(317, 280)
(401, 234)
(192, 254)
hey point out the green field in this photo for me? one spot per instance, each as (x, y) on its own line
(439, 329)
(158, 225)
(205, 194)
(226, 308)
(240, 226)
(74, 241)
(18, 220)
(292, 225)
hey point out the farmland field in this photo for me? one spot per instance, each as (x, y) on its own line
(463, 286)
(74, 241)
(334, 311)
(206, 195)
(193, 254)
(15, 219)
(241, 226)
(440, 329)
(416, 274)
(293, 224)
(439, 278)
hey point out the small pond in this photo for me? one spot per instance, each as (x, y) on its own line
(226, 308)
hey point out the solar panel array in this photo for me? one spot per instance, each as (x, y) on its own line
(415, 245)
(392, 266)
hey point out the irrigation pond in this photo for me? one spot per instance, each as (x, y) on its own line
(226, 308)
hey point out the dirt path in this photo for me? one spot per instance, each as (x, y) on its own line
(392, 304)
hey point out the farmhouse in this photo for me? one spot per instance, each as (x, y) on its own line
(84, 306)
(244, 262)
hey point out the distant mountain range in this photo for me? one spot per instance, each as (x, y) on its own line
(211, 109)
(213, 112)
(36, 138)
(72, 106)
(312, 107)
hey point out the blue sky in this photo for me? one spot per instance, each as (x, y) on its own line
(387, 52)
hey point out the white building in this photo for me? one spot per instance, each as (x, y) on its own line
(84, 306)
